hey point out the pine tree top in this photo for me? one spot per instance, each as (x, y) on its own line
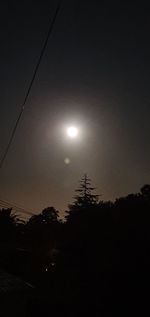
(85, 197)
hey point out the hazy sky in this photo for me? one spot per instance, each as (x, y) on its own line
(96, 74)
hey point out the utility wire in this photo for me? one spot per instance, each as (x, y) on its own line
(31, 83)
(15, 208)
(5, 204)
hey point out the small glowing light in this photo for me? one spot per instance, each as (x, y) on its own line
(67, 160)
(46, 269)
(52, 264)
(72, 132)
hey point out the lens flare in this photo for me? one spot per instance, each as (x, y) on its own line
(67, 160)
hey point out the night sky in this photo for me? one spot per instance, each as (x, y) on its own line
(95, 74)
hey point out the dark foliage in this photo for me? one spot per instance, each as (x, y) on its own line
(96, 263)
(84, 198)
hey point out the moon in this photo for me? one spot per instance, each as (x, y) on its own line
(72, 132)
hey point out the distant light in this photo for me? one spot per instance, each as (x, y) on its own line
(52, 264)
(46, 269)
(72, 132)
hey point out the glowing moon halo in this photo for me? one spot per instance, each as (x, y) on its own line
(72, 132)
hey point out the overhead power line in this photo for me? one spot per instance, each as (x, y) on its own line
(52, 22)
(6, 204)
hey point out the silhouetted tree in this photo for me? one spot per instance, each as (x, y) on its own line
(48, 216)
(7, 217)
(103, 246)
(85, 198)
(8, 223)
(41, 236)
(145, 190)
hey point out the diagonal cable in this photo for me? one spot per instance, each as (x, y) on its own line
(30, 84)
